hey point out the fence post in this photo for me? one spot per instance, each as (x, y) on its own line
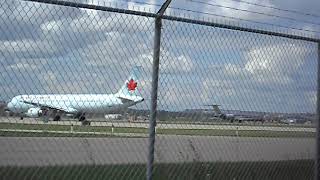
(154, 94)
(317, 160)
(154, 90)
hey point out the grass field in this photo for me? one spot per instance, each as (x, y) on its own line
(100, 131)
(282, 170)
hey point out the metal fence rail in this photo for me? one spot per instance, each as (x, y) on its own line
(89, 94)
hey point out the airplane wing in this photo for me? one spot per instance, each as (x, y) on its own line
(130, 98)
(54, 107)
(125, 100)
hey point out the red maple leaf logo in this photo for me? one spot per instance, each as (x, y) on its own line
(132, 85)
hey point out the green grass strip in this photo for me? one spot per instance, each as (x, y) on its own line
(282, 170)
(138, 130)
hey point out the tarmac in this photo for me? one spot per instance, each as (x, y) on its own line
(49, 151)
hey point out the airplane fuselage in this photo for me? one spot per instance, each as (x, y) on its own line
(86, 103)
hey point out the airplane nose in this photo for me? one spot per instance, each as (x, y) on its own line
(9, 107)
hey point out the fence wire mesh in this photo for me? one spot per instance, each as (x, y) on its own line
(76, 84)
(263, 84)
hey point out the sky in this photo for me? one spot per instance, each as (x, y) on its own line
(48, 49)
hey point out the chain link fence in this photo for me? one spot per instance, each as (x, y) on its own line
(76, 84)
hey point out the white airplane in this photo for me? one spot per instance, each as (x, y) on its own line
(77, 105)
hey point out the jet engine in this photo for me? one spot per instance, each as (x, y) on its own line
(34, 112)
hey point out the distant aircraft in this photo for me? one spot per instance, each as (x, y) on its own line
(77, 105)
(218, 113)
(288, 121)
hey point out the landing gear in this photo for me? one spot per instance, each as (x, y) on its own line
(57, 118)
(85, 123)
(83, 120)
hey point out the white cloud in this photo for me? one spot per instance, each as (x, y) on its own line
(50, 76)
(29, 48)
(52, 26)
(180, 63)
(311, 96)
(92, 12)
(149, 6)
(220, 90)
(221, 8)
(169, 62)
(233, 69)
(37, 13)
(179, 93)
(25, 65)
(275, 63)
(104, 22)
(22, 66)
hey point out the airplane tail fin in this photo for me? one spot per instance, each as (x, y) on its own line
(216, 109)
(131, 84)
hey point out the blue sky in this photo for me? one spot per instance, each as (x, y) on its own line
(51, 49)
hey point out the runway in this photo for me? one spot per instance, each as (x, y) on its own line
(116, 123)
(45, 151)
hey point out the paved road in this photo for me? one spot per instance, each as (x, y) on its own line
(26, 151)
(163, 126)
